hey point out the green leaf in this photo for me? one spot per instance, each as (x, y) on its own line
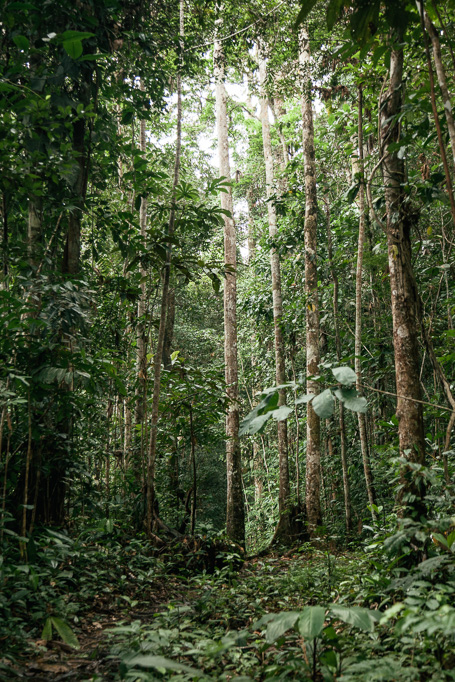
(278, 626)
(251, 425)
(351, 399)
(307, 6)
(323, 404)
(364, 619)
(344, 375)
(163, 664)
(73, 48)
(47, 630)
(65, 632)
(21, 42)
(304, 398)
(311, 622)
(333, 12)
(75, 35)
(281, 413)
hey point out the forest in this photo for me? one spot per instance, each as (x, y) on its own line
(227, 297)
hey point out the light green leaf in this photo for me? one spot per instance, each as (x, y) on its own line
(351, 399)
(323, 404)
(311, 622)
(281, 413)
(344, 375)
(278, 626)
(47, 630)
(161, 663)
(250, 426)
(21, 42)
(364, 619)
(65, 632)
(306, 398)
(73, 48)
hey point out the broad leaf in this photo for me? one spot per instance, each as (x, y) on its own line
(65, 632)
(304, 398)
(323, 404)
(281, 413)
(311, 622)
(307, 6)
(364, 619)
(161, 663)
(351, 399)
(47, 630)
(21, 42)
(344, 375)
(251, 426)
(73, 48)
(278, 626)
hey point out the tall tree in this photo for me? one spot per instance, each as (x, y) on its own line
(313, 455)
(235, 515)
(400, 221)
(280, 367)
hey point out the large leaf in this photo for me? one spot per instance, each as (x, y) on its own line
(73, 48)
(351, 399)
(344, 375)
(47, 630)
(364, 619)
(307, 6)
(282, 622)
(311, 622)
(162, 663)
(251, 426)
(306, 398)
(281, 413)
(65, 632)
(323, 404)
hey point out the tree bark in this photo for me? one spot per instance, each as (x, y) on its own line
(280, 368)
(403, 293)
(336, 318)
(72, 253)
(313, 457)
(151, 457)
(442, 80)
(235, 511)
(141, 329)
(358, 315)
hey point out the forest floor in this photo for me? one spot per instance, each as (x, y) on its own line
(201, 607)
(310, 614)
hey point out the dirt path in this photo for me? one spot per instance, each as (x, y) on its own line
(55, 661)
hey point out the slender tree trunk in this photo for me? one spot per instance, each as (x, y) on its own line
(141, 329)
(336, 321)
(358, 315)
(169, 332)
(235, 511)
(72, 254)
(313, 458)
(404, 295)
(442, 80)
(280, 368)
(34, 230)
(151, 458)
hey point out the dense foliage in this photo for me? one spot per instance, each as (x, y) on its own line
(116, 407)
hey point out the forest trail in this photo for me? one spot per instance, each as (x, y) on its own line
(57, 662)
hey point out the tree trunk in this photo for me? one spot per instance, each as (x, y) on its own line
(404, 295)
(336, 319)
(151, 458)
(235, 511)
(280, 368)
(72, 253)
(169, 331)
(442, 80)
(313, 458)
(358, 316)
(141, 329)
